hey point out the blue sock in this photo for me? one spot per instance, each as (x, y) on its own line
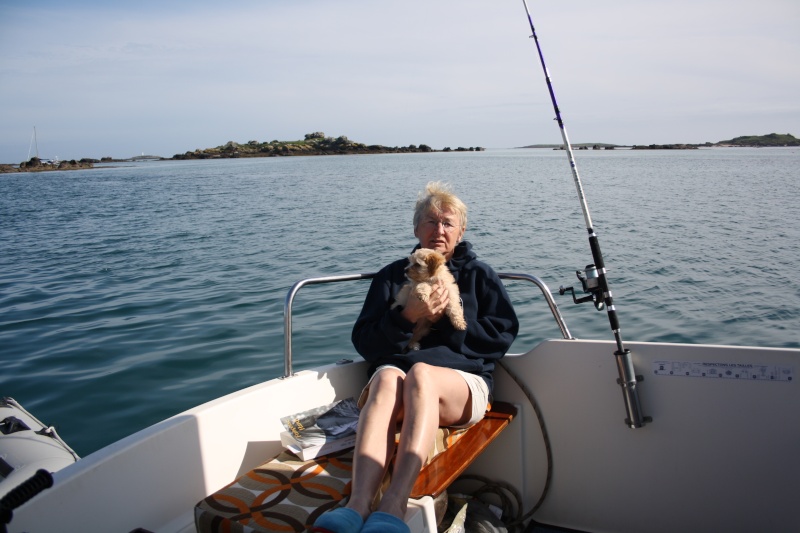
(379, 522)
(339, 520)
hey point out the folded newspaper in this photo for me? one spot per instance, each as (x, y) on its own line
(323, 424)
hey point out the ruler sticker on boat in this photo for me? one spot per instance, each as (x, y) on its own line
(743, 371)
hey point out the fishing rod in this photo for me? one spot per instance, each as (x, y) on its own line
(594, 278)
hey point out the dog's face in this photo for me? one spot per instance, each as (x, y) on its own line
(423, 264)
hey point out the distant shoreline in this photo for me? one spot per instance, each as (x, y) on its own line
(748, 141)
(319, 144)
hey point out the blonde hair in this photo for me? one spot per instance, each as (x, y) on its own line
(436, 198)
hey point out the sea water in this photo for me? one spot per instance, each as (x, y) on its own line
(132, 292)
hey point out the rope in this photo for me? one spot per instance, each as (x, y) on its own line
(40, 481)
(512, 515)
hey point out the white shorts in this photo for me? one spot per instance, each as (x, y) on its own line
(479, 393)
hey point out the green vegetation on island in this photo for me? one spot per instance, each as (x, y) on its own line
(773, 139)
(316, 143)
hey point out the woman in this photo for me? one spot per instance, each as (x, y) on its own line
(447, 382)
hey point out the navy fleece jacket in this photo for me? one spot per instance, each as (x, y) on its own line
(381, 333)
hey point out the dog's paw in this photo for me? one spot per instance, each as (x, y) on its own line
(460, 324)
(413, 346)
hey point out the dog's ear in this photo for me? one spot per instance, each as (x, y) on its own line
(434, 261)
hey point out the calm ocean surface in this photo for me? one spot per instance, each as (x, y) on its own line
(131, 293)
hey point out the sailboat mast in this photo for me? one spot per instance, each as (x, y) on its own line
(34, 142)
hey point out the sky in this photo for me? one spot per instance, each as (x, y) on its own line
(118, 79)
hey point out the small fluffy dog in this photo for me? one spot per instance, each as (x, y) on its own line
(425, 268)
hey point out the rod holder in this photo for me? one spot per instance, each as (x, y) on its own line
(630, 393)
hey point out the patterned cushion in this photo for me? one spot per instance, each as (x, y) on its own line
(286, 493)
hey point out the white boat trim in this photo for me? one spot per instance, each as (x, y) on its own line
(719, 455)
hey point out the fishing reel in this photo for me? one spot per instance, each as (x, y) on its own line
(590, 282)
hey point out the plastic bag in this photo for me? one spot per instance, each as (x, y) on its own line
(471, 515)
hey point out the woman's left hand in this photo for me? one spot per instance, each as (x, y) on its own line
(431, 309)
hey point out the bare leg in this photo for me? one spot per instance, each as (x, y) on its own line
(375, 441)
(432, 397)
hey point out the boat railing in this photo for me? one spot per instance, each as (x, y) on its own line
(288, 303)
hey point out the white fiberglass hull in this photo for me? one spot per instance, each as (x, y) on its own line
(719, 454)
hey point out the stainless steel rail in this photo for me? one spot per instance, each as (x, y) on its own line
(287, 307)
(562, 325)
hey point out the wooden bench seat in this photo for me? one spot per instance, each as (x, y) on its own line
(445, 468)
(287, 494)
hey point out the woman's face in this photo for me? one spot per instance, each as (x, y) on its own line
(440, 231)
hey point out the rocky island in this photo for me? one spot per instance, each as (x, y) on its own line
(752, 141)
(37, 165)
(316, 143)
(773, 139)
